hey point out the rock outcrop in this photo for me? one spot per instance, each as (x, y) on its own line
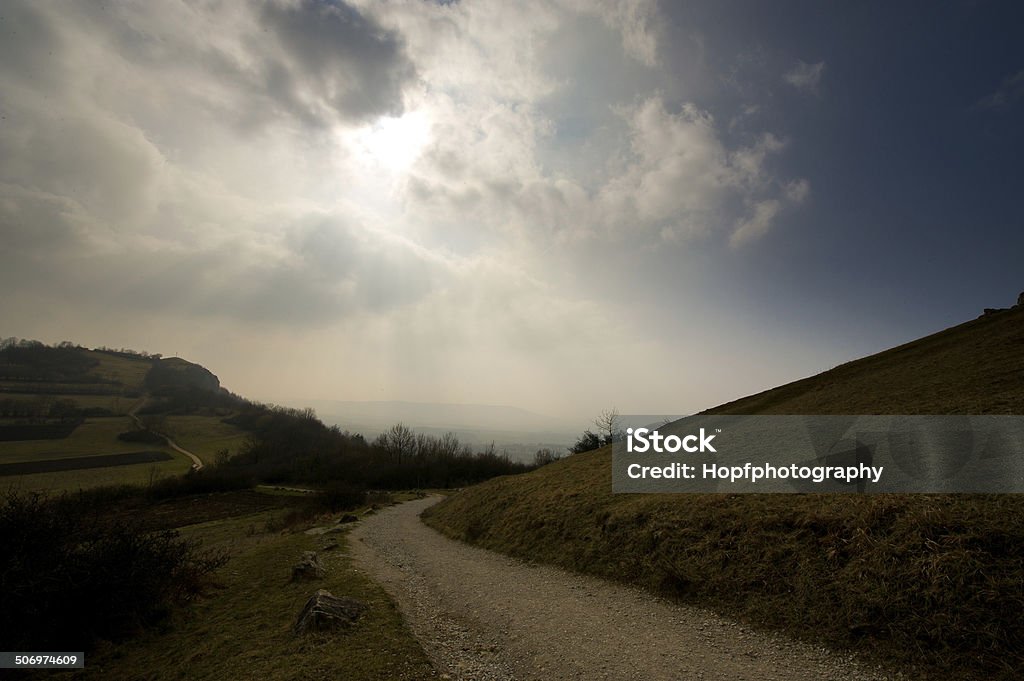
(326, 612)
(309, 568)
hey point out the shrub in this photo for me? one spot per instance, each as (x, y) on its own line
(342, 496)
(205, 481)
(69, 577)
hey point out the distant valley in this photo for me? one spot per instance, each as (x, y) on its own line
(518, 432)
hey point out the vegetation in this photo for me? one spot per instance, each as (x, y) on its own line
(120, 544)
(290, 445)
(244, 621)
(69, 577)
(249, 442)
(608, 431)
(243, 628)
(932, 583)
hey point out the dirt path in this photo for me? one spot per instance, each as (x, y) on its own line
(197, 463)
(483, 616)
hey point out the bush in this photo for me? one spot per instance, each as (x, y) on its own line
(341, 496)
(206, 481)
(69, 578)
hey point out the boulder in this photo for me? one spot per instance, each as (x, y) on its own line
(326, 612)
(308, 568)
(347, 518)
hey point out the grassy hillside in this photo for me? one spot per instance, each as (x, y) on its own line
(973, 368)
(241, 625)
(69, 402)
(934, 584)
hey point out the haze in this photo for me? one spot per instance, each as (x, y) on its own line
(559, 206)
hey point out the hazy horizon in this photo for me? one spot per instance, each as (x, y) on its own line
(556, 205)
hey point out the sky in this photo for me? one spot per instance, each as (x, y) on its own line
(559, 205)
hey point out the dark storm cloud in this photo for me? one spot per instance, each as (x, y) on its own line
(27, 42)
(322, 62)
(120, 138)
(334, 59)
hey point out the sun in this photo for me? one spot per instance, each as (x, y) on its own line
(394, 143)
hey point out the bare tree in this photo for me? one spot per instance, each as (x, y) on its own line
(397, 441)
(448, 445)
(544, 456)
(607, 424)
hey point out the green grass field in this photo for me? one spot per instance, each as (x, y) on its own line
(94, 436)
(137, 474)
(242, 628)
(204, 436)
(129, 372)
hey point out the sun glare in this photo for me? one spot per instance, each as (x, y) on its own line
(394, 143)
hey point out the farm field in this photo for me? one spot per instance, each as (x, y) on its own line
(82, 463)
(117, 404)
(130, 372)
(204, 436)
(133, 474)
(92, 438)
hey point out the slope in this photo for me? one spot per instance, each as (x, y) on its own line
(929, 583)
(64, 402)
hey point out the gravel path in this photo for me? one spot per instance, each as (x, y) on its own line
(482, 616)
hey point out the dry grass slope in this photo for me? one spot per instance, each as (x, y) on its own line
(973, 368)
(934, 584)
(242, 628)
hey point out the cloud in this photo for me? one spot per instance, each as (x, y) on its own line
(757, 223)
(682, 179)
(249, 64)
(637, 21)
(334, 61)
(759, 218)
(797, 191)
(1009, 92)
(317, 272)
(804, 76)
(221, 166)
(679, 169)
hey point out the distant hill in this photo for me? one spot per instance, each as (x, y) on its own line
(175, 372)
(30, 367)
(434, 415)
(516, 431)
(912, 578)
(34, 377)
